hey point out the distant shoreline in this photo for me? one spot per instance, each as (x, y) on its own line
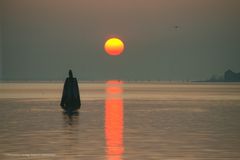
(137, 81)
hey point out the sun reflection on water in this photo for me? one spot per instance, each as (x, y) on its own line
(114, 123)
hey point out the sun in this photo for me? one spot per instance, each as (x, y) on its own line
(114, 46)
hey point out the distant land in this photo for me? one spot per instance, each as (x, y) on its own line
(229, 76)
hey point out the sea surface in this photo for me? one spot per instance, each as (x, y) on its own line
(121, 121)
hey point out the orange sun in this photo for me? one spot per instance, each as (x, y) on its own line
(114, 46)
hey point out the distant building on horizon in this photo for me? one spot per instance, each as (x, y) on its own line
(230, 76)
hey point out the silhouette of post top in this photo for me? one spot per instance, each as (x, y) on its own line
(70, 101)
(70, 73)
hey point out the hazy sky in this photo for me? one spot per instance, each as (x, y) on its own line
(42, 39)
(1, 13)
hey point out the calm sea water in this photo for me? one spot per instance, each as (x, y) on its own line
(121, 121)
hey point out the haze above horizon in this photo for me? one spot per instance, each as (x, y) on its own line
(164, 40)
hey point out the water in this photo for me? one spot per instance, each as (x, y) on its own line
(121, 121)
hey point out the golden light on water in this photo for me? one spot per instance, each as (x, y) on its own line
(114, 120)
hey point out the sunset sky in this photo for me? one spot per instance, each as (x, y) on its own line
(164, 39)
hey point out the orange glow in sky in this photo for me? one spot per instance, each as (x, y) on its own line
(114, 46)
(114, 121)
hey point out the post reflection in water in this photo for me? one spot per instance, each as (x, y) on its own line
(114, 120)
